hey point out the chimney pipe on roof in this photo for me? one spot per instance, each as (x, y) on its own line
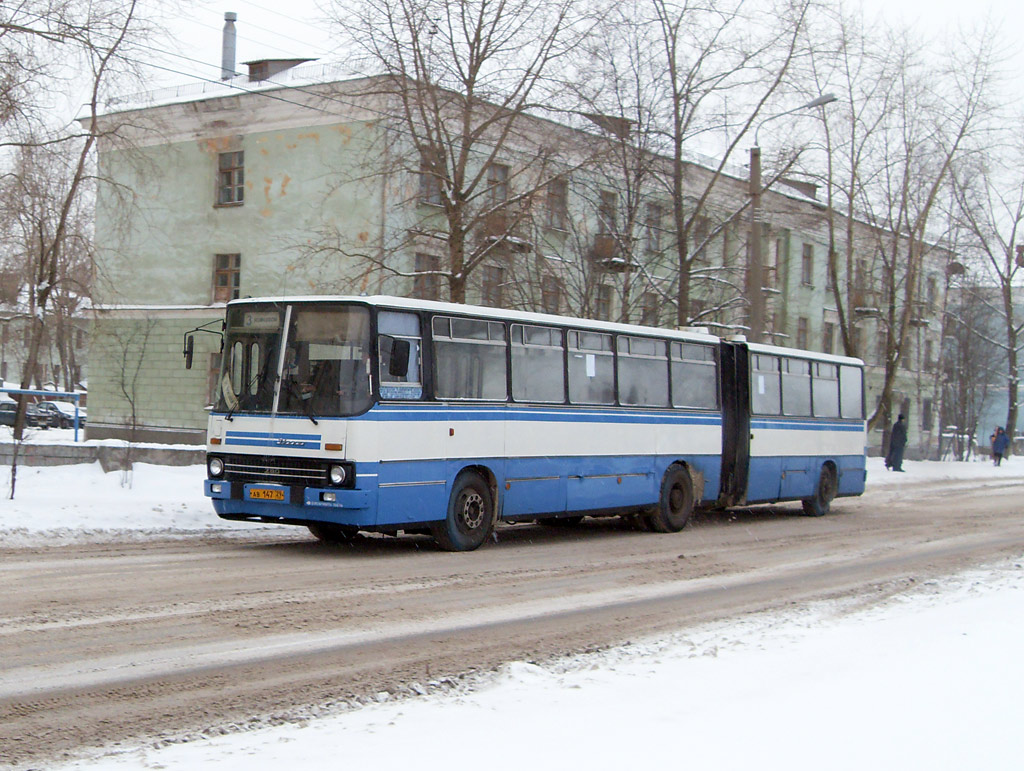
(227, 58)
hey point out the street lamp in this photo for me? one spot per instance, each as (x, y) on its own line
(755, 262)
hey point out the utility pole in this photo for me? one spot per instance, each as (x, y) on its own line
(755, 258)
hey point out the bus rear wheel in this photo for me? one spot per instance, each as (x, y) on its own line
(676, 504)
(470, 517)
(329, 532)
(820, 503)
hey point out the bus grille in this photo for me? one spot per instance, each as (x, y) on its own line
(268, 468)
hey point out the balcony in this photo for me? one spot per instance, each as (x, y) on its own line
(506, 229)
(605, 253)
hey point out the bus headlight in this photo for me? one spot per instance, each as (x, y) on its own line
(337, 475)
(216, 467)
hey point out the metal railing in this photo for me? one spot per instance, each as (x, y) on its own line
(74, 396)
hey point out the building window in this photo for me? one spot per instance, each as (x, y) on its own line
(493, 285)
(604, 302)
(497, 183)
(430, 185)
(801, 332)
(926, 415)
(701, 233)
(227, 270)
(606, 213)
(79, 338)
(928, 362)
(649, 309)
(652, 227)
(426, 284)
(697, 308)
(931, 293)
(558, 204)
(231, 179)
(807, 265)
(551, 295)
(213, 378)
(828, 333)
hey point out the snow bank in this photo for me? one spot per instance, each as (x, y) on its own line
(83, 501)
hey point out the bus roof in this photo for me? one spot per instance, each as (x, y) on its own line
(408, 303)
(412, 304)
(799, 353)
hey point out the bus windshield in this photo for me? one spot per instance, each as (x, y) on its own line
(324, 370)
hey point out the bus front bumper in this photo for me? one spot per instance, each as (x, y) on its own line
(271, 495)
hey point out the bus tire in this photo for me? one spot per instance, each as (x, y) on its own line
(820, 503)
(470, 517)
(676, 503)
(329, 532)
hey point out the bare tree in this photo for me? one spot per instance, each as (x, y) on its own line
(713, 52)
(853, 60)
(971, 360)
(989, 193)
(457, 82)
(939, 113)
(54, 38)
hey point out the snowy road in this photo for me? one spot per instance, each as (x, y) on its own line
(117, 640)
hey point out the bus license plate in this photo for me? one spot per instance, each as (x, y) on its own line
(261, 494)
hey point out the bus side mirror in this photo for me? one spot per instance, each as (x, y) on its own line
(399, 364)
(190, 344)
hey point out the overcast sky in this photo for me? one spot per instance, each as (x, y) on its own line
(296, 29)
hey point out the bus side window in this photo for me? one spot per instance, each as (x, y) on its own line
(796, 387)
(399, 346)
(591, 368)
(538, 372)
(764, 385)
(469, 359)
(694, 376)
(851, 388)
(826, 390)
(643, 372)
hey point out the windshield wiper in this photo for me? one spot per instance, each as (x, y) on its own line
(308, 410)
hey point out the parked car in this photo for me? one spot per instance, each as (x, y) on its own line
(61, 414)
(34, 417)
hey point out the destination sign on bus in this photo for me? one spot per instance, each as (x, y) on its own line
(261, 321)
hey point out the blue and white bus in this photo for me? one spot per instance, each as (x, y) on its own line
(397, 415)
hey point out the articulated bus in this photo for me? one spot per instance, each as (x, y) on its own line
(407, 416)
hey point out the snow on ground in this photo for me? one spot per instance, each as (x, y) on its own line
(930, 680)
(82, 501)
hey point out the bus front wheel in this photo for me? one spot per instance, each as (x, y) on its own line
(676, 504)
(470, 517)
(819, 504)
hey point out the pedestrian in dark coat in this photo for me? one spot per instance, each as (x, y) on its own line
(897, 443)
(1000, 442)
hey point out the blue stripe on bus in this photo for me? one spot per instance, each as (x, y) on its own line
(804, 424)
(271, 435)
(267, 439)
(548, 416)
